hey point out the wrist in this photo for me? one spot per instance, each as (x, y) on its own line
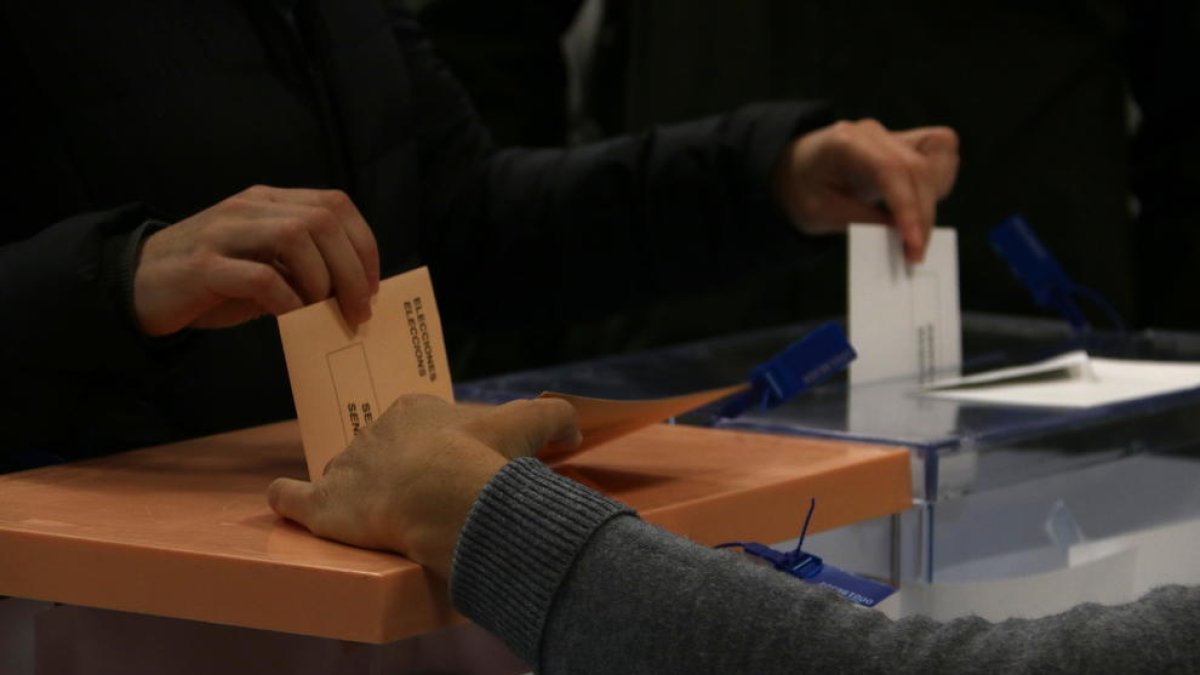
(432, 541)
(124, 256)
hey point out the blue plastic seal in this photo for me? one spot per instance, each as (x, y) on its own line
(1034, 266)
(812, 569)
(1030, 261)
(812, 359)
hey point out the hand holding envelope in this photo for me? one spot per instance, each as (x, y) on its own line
(862, 172)
(262, 251)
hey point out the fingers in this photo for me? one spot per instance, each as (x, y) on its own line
(839, 174)
(325, 246)
(927, 209)
(898, 172)
(522, 428)
(258, 283)
(939, 147)
(359, 234)
(336, 267)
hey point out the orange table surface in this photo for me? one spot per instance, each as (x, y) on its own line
(184, 530)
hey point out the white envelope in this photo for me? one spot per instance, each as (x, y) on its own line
(904, 320)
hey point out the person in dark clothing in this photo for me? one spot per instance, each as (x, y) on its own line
(176, 166)
(573, 582)
(1076, 115)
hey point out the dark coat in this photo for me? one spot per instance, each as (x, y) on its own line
(125, 110)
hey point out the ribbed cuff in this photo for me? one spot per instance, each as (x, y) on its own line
(127, 265)
(518, 545)
(120, 263)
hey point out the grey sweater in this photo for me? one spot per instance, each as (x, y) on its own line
(575, 583)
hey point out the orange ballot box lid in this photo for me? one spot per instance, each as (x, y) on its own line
(184, 530)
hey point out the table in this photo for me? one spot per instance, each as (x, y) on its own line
(183, 530)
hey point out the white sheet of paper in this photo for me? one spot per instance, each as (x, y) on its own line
(904, 319)
(1071, 365)
(1071, 380)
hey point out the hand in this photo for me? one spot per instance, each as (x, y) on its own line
(264, 250)
(408, 480)
(839, 174)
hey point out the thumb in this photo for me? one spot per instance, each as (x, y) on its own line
(294, 499)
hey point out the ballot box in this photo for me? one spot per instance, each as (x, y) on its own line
(1096, 503)
(168, 559)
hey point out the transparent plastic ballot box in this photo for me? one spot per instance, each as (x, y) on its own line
(958, 447)
(1000, 492)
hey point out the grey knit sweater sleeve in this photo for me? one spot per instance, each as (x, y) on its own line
(575, 584)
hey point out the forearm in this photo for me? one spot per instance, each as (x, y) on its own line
(78, 376)
(619, 595)
(595, 229)
(680, 205)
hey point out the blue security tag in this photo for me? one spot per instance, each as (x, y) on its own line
(861, 590)
(1030, 261)
(1035, 267)
(812, 569)
(805, 363)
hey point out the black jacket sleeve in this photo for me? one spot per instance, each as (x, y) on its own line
(70, 287)
(77, 374)
(602, 226)
(506, 233)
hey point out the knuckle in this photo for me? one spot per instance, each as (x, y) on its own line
(895, 163)
(317, 220)
(334, 199)
(952, 141)
(205, 258)
(811, 204)
(872, 124)
(293, 232)
(237, 203)
(256, 191)
(843, 131)
(557, 407)
(260, 279)
(324, 221)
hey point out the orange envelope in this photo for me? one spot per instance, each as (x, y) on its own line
(343, 378)
(602, 419)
